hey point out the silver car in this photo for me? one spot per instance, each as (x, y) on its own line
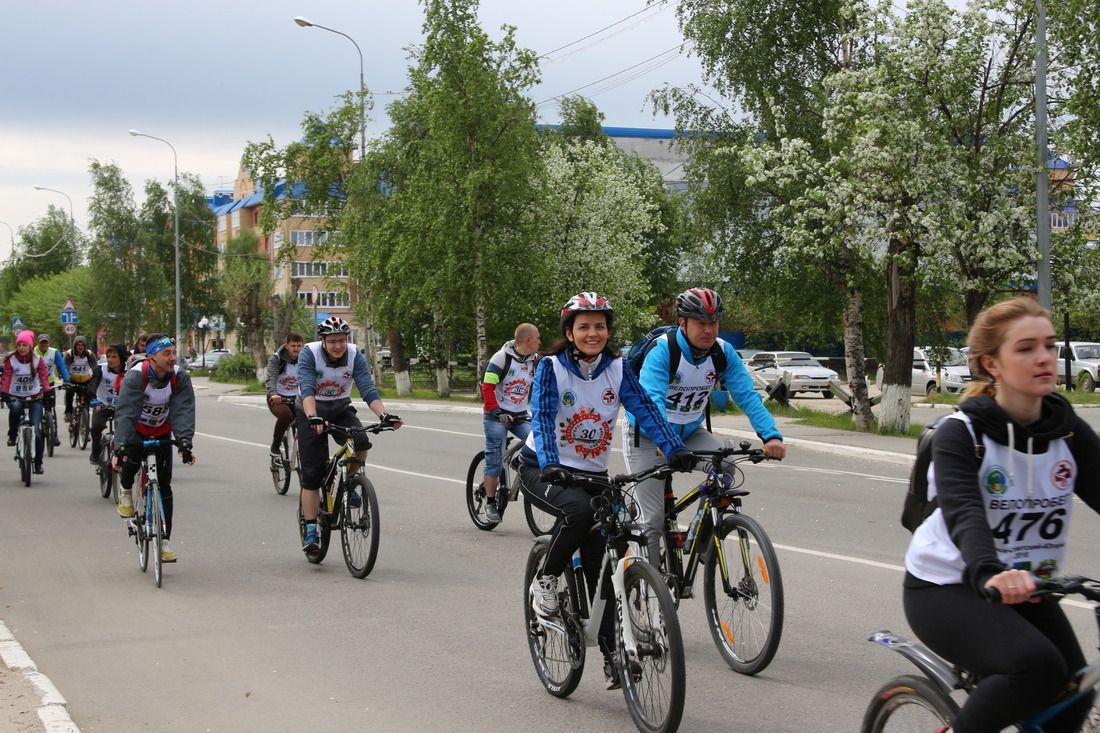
(800, 371)
(939, 369)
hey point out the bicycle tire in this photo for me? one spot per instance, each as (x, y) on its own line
(280, 468)
(85, 426)
(747, 623)
(908, 703)
(157, 533)
(360, 527)
(475, 495)
(654, 681)
(26, 454)
(323, 533)
(538, 521)
(558, 655)
(49, 425)
(106, 474)
(141, 536)
(109, 442)
(74, 431)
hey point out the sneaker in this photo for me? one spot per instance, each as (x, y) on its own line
(276, 451)
(492, 513)
(68, 416)
(611, 673)
(126, 503)
(544, 595)
(38, 468)
(11, 440)
(92, 459)
(354, 500)
(313, 540)
(166, 554)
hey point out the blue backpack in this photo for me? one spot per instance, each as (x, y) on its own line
(638, 351)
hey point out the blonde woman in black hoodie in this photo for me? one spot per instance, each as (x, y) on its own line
(1003, 519)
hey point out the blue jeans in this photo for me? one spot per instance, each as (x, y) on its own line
(496, 437)
(15, 412)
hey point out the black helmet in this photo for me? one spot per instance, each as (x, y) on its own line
(588, 301)
(331, 325)
(701, 304)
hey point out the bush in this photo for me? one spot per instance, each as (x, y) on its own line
(236, 369)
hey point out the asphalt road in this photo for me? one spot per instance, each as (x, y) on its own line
(245, 635)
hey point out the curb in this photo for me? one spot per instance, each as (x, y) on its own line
(52, 708)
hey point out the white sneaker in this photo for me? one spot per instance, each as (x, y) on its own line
(126, 503)
(544, 595)
(166, 554)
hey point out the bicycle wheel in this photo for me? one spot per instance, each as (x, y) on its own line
(26, 454)
(84, 426)
(538, 521)
(475, 494)
(280, 468)
(746, 620)
(908, 703)
(557, 645)
(323, 533)
(157, 532)
(140, 528)
(73, 425)
(49, 427)
(106, 474)
(653, 677)
(359, 538)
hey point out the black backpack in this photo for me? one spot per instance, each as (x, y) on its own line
(917, 506)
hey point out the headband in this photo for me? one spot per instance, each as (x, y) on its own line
(158, 345)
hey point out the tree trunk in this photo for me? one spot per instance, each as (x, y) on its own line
(975, 301)
(482, 348)
(400, 364)
(901, 311)
(442, 376)
(854, 360)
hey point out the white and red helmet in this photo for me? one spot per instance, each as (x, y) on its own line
(702, 304)
(587, 301)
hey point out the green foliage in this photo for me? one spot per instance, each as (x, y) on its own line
(44, 249)
(39, 301)
(236, 369)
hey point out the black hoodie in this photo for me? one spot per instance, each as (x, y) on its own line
(958, 487)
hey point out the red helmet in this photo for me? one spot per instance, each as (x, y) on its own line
(702, 304)
(587, 301)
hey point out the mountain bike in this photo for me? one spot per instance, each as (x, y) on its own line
(286, 463)
(349, 505)
(923, 702)
(108, 477)
(80, 422)
(49, 425)
(508, 490)
(146, 526)
(24, 440)
(742, 584)
(648, 646)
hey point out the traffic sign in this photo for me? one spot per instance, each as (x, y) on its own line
(69, 317)
(68, 305)
(69, 329)
(17, 324)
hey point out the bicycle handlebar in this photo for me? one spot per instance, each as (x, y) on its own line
(581, 480)
(1062, 585)
(349, 431)
(754, 455)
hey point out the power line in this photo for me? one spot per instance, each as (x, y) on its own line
(601, 30)
(677, 49)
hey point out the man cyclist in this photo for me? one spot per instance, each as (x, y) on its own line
(327, 370)
(104, 390)
(81, 363)
(55, 367)
(506, 392)
(684, 389)
(155, 400)
(282, 386)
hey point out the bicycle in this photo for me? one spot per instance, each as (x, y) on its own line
(49, 425)
(80, 422)
(349, 504)
(649, 649)
(147, 525)
(108, 479)
(508, 490)
(24, 440)
(287, 462)
(923, 702)
(742, 583)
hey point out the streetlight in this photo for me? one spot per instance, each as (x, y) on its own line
(72, 221)
(12, 232)
(306, 23)
(176, 194)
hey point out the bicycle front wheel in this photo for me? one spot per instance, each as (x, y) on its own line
(106, 473)
(743, 594)
(49, 426)
(26, 448)
(908, 703)
(74, 430)
(653, 675)
(359, 538)
(84, 427)
(280, 467)
(557, 645)
(475, 494)
(141, 529)
(157, 531)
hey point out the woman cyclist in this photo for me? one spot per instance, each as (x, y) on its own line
(26, 379)
(577, 392)
(104, 391)
(1005, 469)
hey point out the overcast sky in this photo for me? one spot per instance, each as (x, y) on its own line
(209, 77)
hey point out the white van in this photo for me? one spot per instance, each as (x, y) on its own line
(1084, 362)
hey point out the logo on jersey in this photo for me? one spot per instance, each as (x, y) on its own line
(677, 378)
(609, 396)
(346, 374)
(568, 398)
(710, 376)
(1061, 475)
(587, 432)
(996, 482)
(517, 391)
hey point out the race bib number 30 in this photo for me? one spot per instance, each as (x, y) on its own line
(587, 432)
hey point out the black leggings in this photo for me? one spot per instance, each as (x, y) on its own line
(1023, 653)
(129, 469)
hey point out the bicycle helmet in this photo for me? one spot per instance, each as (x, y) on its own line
(587, 301)
(702, 304)
(331, 325)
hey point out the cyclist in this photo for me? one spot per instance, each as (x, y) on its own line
(155, 400)
(684, 389)
(138, 352)
(327, 370)
(80, 363)
(55, 366)
(282, 386)
(25, 376)
(506, 392)
(104, 389)
(1004, 470)
(578, 389)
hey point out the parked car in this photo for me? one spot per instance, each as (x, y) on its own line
(209, 360)
(806, 374)
(939, 369)
(1084, 363)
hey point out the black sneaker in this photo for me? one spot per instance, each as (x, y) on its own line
(11, 440)
(38, 468)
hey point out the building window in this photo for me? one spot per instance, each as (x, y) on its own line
(1062, 219)
(307, 237)
(237, 219)
(300, 268)
(326, 299)
(223, 221)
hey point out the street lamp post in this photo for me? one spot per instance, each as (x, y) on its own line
(72, 221)
(176, 198)
(12, 233)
